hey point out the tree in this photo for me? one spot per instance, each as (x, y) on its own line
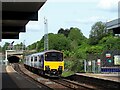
(6, 46)
(97, 32)
(76, 37)
(64, 32)
(33, 46)
(20, 46)
(61, 31)
(58, 42)
(40, 45)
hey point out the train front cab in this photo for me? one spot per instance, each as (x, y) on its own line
(53, 63)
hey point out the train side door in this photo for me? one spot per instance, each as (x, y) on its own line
(41, 61)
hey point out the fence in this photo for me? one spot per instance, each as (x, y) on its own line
(93, 66)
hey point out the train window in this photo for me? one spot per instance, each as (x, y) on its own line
(53, 56)
(35, 58)
(31, 59)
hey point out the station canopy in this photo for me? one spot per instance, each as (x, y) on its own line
(15, 16)
(114, 25)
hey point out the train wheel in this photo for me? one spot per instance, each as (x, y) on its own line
(42, 72)
(30, 68)
(33, 70)
(39, 72)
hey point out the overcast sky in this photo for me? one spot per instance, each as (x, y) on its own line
(68, 13)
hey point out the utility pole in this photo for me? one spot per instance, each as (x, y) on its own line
(23, 45)
(45, 34)
(23, 50)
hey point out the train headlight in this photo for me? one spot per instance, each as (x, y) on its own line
(47, 68)
(60, 68)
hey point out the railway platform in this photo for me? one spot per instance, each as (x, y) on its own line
(112, 77)
(12, 80)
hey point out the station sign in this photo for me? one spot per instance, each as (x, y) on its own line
(117, 60)
(108, 55)
(98, 61)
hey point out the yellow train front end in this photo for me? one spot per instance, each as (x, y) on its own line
(54, 68)
(53, 63)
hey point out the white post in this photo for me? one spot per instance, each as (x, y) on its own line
(93, 66)
(85, 66)
(6, 60)
(99, 65)
(89, 66)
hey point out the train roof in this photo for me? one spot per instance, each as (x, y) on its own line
(40, 53)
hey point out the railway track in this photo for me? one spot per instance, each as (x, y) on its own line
(73, 85)
(55, 84)
(40, 80)
(17, 68)
(99, 84)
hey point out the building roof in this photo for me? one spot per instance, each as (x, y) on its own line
(114, 25)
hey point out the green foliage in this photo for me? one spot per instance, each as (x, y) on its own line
(74, 64)
(110, 43)
(20, 46)
(67, 73)
(77, 65)
(80, 54)
(64, 32)
(40, 45)
(66, 53)
(97, 32)
(33, 46)
(58, 42)
(94, 49)
(73, 45)
(77, 35)
(6, 46)
(81, 51)
(68, 64)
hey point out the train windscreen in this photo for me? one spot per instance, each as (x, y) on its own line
(53, 56)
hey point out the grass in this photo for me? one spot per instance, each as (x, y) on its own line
(67, 73)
